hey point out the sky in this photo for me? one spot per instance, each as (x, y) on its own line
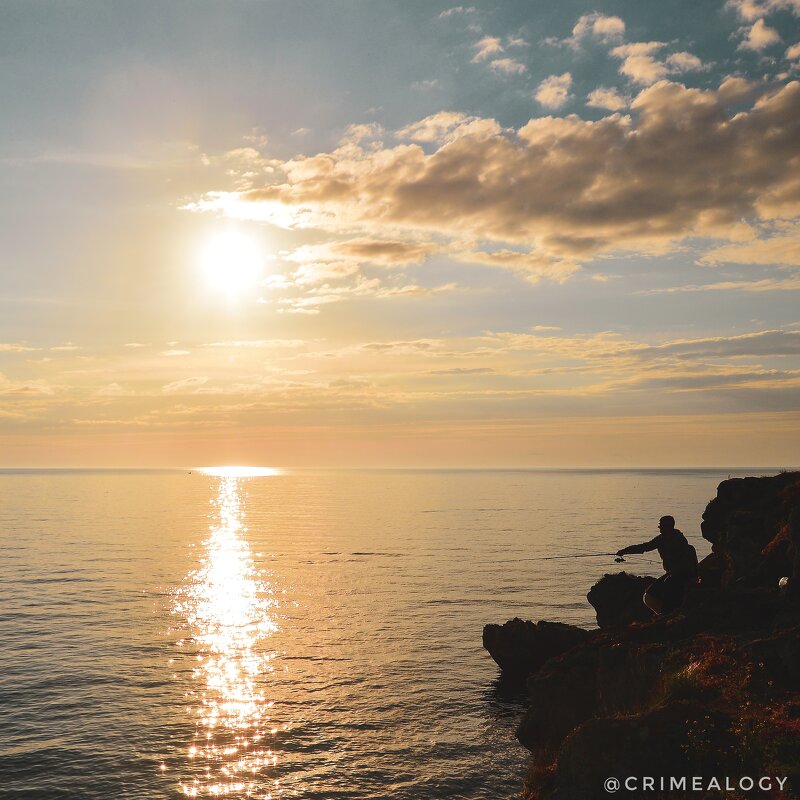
(362, 233)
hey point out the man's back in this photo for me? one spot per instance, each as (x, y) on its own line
(677, 555)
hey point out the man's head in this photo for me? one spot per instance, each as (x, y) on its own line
(666, 524)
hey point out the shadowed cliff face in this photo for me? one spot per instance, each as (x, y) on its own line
(751, 528)
(617, 599)
(713, 689)
(521, 647)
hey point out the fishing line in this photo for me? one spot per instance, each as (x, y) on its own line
(618, 559)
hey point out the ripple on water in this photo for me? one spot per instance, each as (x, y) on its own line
(321, 630)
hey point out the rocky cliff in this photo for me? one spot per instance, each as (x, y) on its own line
(710, 692)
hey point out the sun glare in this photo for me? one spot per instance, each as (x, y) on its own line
(231, 262)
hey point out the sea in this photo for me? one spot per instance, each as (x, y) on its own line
(257, 632)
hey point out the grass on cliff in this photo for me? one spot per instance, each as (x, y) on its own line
(764, 730)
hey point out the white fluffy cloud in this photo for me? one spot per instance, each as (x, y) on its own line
(684, 62)
(508, 66)
(553, 92)
(681, 165)
(759, 36)
(487, 47)
(491, 49)
(751, 10)
(641, 65)
(607, 98)
(447, 126)
(599, 26)
(782, 249)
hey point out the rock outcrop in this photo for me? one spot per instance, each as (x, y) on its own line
(617, 599)
(749, 524)
(712, 690)
(520, 647)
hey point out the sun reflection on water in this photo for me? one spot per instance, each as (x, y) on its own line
(230, 611)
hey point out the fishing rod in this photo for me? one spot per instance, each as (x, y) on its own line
(617, 559)
(571, 555)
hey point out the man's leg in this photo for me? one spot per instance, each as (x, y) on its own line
(674, 592)
(654, 596)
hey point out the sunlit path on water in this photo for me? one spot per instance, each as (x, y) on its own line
(230, 611)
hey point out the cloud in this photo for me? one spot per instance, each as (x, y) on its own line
(384, 252)
(638, 62)
(450, 12)
(793, 52)
(751, 10)
(447, 126)
(748, 10)
(185, 385)
(599, 26)
(760, 343)
(759, 37)
(260, 343)
(113, 390)
(335, 271)
(640, 65)
(424, 86)
(682, 165)
(783, 250)
(508, 66)
(354, 134)
(532, 267)
(486, 48)
(517, 41)
(607, 98)
(684, 62)
(24, 389)
(490, 46)
(790, 284)
(414, 290)
(16, 347)
(327, 292)
(463, 371)
(737, 90)
(553, 92)
(607, 29)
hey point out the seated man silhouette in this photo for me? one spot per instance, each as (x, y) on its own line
(680, 565)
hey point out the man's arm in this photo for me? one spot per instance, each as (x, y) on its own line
(645, 547)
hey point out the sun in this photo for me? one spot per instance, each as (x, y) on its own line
(231, 262)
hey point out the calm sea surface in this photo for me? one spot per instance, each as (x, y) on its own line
(306, 634)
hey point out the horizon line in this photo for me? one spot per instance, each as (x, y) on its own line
(387, 468)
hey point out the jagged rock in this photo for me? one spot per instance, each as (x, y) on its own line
(604, 676)
(748, 525)
(712, 689)
(620, 670)
(652, 744)
(710, 570)
(520, 647)
(617, 599)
